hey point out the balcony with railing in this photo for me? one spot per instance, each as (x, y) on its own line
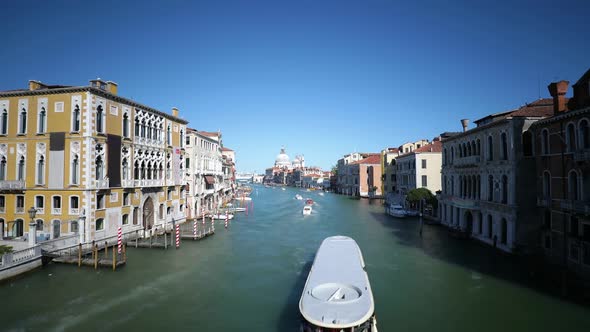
(55, 210)
(20, 209)
(12, 185)
(575, 206)
(128, 183)
(40, 210)
(470, 161)
(74, 211)
(100, 184)
(544, 201)
(582, 155)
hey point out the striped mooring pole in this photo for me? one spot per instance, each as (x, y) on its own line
(226, 219)
(177, 236)
(119, 236)
(203, 216)
(195, 230)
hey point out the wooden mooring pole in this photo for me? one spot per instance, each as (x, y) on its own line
(114, 259)
(79, 254)
(95, 256)
(124, 254)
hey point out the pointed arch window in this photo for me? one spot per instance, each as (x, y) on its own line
(169, 135)
(490, 188)
(546, 185)
(20, 176)
(22, 128)
(584, 134)
(504, 146)
(490, 148)
(41, 171)
(76, 119)
(181, 138)
(137, 128)
(99, 119)
(42, 121)
(3, 168)
(4, 122)
(125, 125)
(75, 169)
(504, 189)
(125, 168)
(99, 168)
(570, 137)
(136, 170)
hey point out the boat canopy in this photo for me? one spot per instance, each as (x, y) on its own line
(337, 293)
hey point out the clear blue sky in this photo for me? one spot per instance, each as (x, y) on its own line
(323, 78)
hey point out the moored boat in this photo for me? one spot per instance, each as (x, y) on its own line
(396, 211)
(298, 197)
(337, 294)
(307, 210)
(243, 198)
(321, 193)
(221, 216)
(309, 201)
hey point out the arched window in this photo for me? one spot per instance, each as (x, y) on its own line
(452, 185)
(99, 168)
(573, 187)
(478, 187)
(22, 129)
(504, 146)
(490, 188)
(181, 138)
(444, 188)
(143, 128)
(473, 149)
(570, 137)
(136, 170)
(41, 121)
(490, 148)
(41, 170)
(504, 189)
(4, 123)
(504, 231)
(137, 131)
(527, 143)
(468, 149)
(545, 141)
(452, 154)
(490, 226)
(169, 135)
(584, 134)
(125, 125)
(39, 225)
(21, 169)
(142, 170)
(75, 169)
(3, 168)
(99, 119)
(546, 185)
(478, 147)
(125, 168)
(76, 119)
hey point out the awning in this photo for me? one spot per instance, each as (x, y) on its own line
(209, 179)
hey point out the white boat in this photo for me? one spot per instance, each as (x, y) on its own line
(307, 210)
(243, 198)
(283, 189)
(221, 216)
(396, 211)
(298, 197)
(321, 193)
(337, 295)
(233, 210)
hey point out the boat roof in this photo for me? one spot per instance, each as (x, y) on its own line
(337, 293)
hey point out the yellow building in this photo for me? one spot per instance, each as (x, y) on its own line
(72, 151)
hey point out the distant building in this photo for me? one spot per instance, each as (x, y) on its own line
(419, 168)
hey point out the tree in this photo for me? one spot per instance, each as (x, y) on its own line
(418, 194)
(334, 170)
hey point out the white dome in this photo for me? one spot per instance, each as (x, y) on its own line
(282, 159)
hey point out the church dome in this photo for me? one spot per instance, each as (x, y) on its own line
(282, 159)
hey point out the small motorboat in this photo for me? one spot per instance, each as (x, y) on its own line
(243, 198)
(283, 188)
(307, 210)
(321, 193)
(232, 210)
(221, 216)
(298, 197)
(397, 211)
(309, 201)
(337, 295)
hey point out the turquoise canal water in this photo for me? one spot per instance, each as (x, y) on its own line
(250, 277)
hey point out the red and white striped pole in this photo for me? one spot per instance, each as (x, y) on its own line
(119, 236)
(177, 236)
(195, 230)
(226, 219)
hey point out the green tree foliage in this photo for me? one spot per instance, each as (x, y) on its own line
(416, 195)
(334, 170)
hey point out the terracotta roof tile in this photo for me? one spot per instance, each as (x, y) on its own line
(539, 108)
(435, 146)
(373, 159)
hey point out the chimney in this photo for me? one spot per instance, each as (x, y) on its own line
(174, 112)
(112, 87)
(36, 85)
(465, 123)
(558, 91)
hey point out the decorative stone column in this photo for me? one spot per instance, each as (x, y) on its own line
(82, 228)
(32, 233)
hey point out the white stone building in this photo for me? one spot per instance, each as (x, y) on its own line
(419, 168)
(488, 187)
